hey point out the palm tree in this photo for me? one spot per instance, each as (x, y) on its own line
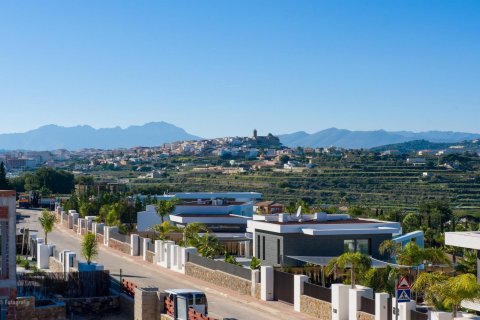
(47, 221)
(391, 247)
(165, 207)
(357, 262)
(208, 245)
(442, 291)
(190, 233)
(164, 229)
(89, 247)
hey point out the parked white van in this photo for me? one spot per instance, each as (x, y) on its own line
(196, 299)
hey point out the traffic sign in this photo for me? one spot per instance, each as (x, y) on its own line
(403, 284)
(403, 295)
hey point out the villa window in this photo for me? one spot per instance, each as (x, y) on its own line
(357, 245)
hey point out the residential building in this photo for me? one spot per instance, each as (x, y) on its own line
(268, 207)
(221, 211)
(281, 239)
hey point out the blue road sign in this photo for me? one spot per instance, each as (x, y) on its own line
(403, 295)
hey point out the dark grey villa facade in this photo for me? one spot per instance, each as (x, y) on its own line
(285, 240)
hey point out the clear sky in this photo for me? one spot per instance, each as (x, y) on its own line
(221, 68)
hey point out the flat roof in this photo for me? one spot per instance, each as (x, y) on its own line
(345, 221)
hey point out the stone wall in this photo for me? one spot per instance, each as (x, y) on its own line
(25, 309)
(364, 316)
(118, 245)
(99, 238)
(219, 278)
(258, 290)
(150, 256)
(95, 306)
(316, 308)
(54, 265)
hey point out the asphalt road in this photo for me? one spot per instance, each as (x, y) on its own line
(223, 303)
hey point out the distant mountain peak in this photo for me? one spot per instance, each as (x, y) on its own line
(52, 136)
(368, 139)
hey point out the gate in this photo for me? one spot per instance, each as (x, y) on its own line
(283, 286)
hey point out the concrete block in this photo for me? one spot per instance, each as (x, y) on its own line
(146, 241)
(355, 299)
(340, 301)
(134, 244)
(266, 293)
(381, 306)
(298, 285)
(440, 315)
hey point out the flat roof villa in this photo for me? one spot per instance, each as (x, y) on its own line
(220, 211)
(282, 239)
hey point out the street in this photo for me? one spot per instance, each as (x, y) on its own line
(223, 303)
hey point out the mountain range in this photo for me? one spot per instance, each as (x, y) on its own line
(51, 137)
(368, 139)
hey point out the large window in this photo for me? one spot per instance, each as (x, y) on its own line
(263, 248)
(357, 245)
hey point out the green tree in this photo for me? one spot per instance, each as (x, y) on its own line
(447, 292)
(391, 247)
(358, 264)
(165, 208)
(291, 207)
(381, 279)
(411, 222)
(4, 183)
(89, 247)
(468, 263)
(208, 246)
(255, 263)
(47, 221)
(164, 229)
(112, 218)
(190, 233)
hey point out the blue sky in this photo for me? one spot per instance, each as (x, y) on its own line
(220, 68)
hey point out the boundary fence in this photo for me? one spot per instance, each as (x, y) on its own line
(220, 266)
(317, 292)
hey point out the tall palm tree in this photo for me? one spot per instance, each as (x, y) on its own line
(391, 247)
(208, 245)
(443, 291)
(47, 221)
(357, 263)
(164, 229)
(165, 208)
(190, 233)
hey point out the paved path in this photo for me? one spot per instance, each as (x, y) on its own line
(223, 303)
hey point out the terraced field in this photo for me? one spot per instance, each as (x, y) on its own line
(379, 184)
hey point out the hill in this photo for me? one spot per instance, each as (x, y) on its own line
(368, 139)
(51, 137)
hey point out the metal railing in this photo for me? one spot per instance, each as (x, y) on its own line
(415, 315)
(119, 237)
(367, 305)
(221, 266)
(317, 292)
